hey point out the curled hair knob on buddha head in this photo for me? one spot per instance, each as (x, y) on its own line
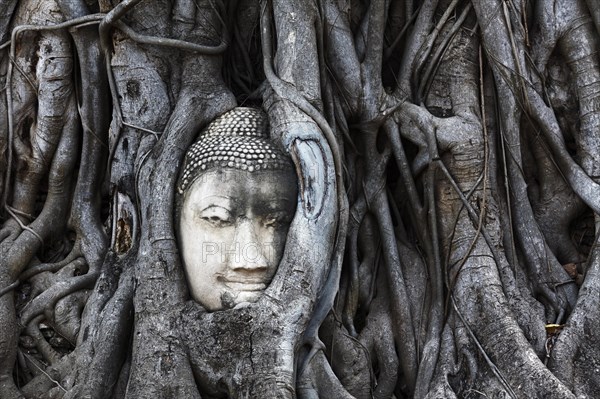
(237, 139)
(236, 197)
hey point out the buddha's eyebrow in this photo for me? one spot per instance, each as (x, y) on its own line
(214, 196)
(276, 204)
(214, 200)
(281, 199)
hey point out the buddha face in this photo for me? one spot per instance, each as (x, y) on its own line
(232, 231)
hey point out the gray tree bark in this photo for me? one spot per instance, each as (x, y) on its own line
(445, 238)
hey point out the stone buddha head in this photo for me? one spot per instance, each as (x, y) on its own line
(236, 197)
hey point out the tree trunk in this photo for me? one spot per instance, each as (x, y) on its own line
(444, 238)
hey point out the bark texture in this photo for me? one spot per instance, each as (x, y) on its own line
(445, 238)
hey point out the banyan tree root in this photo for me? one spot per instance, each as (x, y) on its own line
(21, 243)
(453, 263)
(575, 348)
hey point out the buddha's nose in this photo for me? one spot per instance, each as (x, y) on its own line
(250, 248)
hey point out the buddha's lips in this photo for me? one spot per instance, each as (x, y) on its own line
(245, 286)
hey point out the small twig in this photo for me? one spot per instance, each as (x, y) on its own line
(467, 196)
(427, 77)
(44, 372)
(9, 288)
(489, 361)
(472, 212)
(168, 42)
(428, 46)
(143, 129)
(24, 74)
(515, 52)
(23, 226)
(388, 51)
(20, 213)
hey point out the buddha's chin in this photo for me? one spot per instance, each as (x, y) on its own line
(232, 298)
(248, 296)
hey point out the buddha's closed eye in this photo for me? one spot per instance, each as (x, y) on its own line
(276, 220)
(217, 216)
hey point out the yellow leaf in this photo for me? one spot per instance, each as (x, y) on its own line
(553, 328)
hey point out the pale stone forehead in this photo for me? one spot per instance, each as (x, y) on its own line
(237, 139)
